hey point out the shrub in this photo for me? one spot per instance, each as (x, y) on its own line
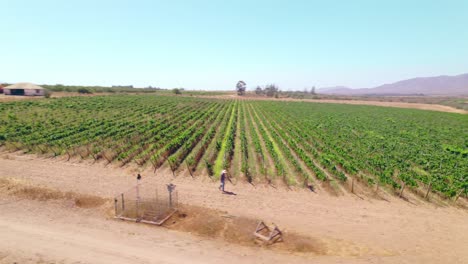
(84, 91)
(47, 93)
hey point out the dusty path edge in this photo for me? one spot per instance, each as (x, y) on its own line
(420, 106)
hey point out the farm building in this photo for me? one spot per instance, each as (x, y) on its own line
(24, 89)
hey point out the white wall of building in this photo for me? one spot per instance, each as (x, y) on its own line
(33, 92)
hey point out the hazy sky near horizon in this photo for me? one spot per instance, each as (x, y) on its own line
(213, 44)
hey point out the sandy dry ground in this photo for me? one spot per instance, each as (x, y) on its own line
(432, 107)
(351, 229)
(57, 232)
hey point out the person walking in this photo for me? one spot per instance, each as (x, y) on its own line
(223, 180)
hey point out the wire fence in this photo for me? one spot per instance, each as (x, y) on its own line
(147, 203)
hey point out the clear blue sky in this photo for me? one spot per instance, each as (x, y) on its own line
(213, 44)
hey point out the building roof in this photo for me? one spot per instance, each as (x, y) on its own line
(24, 85)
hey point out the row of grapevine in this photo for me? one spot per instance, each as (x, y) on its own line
(284, 150)
(212, 152)
(226, 150)
(197, 153)
(244, 145)
(308, 151)
(290, 141)
(271, 147)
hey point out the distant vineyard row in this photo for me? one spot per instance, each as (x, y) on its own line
(260, 141)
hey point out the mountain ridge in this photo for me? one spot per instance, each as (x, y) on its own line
(437, 85)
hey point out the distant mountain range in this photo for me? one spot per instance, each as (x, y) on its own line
(439, 85)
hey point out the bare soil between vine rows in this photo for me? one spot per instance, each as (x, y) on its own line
(52, 210)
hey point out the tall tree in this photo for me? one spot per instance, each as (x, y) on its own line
(258, 90)
(240, 87)
(271, 90)
(312, 91)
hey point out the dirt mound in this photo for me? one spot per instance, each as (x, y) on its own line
(239, 230)
(23, 190)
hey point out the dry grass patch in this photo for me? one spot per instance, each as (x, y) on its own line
(23, 190)
(239, 230)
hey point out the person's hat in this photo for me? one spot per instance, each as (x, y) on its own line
(224, 171)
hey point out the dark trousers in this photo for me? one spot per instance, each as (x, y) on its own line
(221, 187)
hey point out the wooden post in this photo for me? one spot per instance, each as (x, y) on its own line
(136, 211)
(157, 200)
(263, 164)
(188, 167)
(229, 177)
(170, 166)
(170, 189)
(458, 194)
(428, 190)
(123, 202)
(115, 206)
(352, 186)
(154, 166)
(402, 189)
(137, 198)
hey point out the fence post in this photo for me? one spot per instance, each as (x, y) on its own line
(402, 189)
(170, 189)
(138, 195)
(115, 206)
(170, 166)
(123, 203)
(458, 194)
(188, 167)
(428, 190)
(263, 165)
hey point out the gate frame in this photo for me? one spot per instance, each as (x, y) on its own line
(172, 209)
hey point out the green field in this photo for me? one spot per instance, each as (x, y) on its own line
(296, 143)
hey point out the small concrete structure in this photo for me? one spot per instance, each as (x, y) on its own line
(28, 89)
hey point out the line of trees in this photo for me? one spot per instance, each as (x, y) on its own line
(272, 90)
(98, 89)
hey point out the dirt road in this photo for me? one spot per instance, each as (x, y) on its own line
(431, 107)
(353, 230)
(57, 232)
(421, 106)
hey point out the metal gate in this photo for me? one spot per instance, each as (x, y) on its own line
(152, 204)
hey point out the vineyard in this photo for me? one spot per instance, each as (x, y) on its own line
(290, 143)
